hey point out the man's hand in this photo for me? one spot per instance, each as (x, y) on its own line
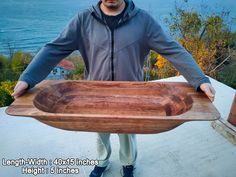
(20, 88)
(208, 90)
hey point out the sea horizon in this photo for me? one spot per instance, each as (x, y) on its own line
(27, 25)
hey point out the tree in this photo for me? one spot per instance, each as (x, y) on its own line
(164, 67)
(207, 38)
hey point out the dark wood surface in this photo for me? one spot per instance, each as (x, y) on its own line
(116, 107)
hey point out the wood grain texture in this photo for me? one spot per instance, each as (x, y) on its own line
(116, 107)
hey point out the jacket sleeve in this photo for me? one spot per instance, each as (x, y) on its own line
(52, 53)
(158, 41)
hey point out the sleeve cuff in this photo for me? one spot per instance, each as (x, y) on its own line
(30, 83)
(202, 81)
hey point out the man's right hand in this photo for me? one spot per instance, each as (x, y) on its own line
(20, 88)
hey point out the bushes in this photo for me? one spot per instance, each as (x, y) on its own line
(11, 68)
(228, 76)
(5, 98)
(78, 73)
(6, 89)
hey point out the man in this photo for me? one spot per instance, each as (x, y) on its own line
(113, 37)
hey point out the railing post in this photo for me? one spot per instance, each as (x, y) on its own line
(232, 114)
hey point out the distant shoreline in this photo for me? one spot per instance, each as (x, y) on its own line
(28, 30)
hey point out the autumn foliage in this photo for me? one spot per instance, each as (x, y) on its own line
(207, 38)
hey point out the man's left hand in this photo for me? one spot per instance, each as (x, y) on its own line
(208, 90)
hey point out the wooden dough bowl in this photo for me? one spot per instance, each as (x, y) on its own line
(115, 107)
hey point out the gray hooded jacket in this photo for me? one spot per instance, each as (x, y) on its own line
(117, 54)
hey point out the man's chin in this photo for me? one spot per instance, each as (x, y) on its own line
(112, 4)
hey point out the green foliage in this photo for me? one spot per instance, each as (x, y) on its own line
(208, 39)
(156, 67)
(8, 86)
(78, 73)
(5, 98)
(152, 58)
(217, 33)
(228, 76)
(185, 23)
(6, 89)
(12, 67)
(232, 40)
(150, 70)
(6, 72)
(20, 61)
(3, 62)
(165, 68)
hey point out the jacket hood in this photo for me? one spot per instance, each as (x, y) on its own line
(130, 11)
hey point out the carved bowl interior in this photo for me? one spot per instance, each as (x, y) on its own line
(113, 99)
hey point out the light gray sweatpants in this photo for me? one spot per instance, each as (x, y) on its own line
(127, 153)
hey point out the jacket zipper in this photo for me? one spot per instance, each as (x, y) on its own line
(112, 45)
(112, 55)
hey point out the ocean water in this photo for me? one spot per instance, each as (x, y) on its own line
(28, 24)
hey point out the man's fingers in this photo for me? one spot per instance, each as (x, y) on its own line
(209, 94)
(20, 88)
(212, 90)
(17, 93)
(208, 90)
